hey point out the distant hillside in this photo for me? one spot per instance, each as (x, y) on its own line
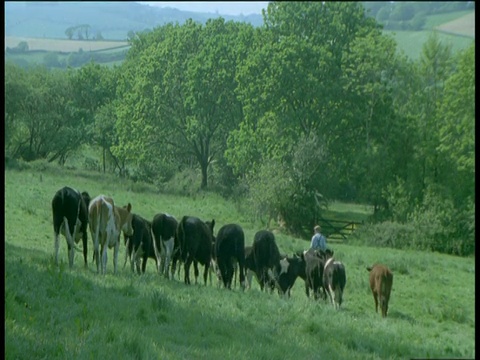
(463, 26)
(112, 20)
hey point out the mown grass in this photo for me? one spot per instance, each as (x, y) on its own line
(57, 313)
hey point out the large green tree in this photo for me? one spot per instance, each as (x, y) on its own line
(179, 99)
(296, 86)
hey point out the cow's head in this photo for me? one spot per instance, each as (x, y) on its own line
(86, 198)
(210, 225)
(127, 222)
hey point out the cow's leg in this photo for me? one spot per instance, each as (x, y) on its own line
(127, 252)
(195, 271)
(85, 247)
(241, 275)
(169, 245)
(375, 297)
(338, 296)
(331, 292)
(68, 236)
(205, 272)
(248, 277)
(96, 241)
(158, 252)
(229, 272)
(115, 255)
(235, 269)
(57, 246)
(104, 257)
(187, 264)
(135, 258)
(144, 262)
(174, 267)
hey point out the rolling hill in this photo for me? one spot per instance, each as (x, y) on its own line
(112, 19)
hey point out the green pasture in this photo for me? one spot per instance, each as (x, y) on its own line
(435, 20)
(57, 313)
(411, 42)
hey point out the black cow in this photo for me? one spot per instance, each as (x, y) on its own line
(70, 218)
(194, 238)
(291, 268)
(164, 227)
(139, 246)
(334, 280)
(229, 251)
(251, 269)
(314, 269)
(267, 258)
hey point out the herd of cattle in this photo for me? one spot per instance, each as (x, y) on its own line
(192, 240)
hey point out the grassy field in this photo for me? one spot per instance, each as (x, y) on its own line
(435, 20)
(57, 313)
(464, 26)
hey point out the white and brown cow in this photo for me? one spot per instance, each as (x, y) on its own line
(334, 280)
(381, 279)
(70, 218)
(106, 222)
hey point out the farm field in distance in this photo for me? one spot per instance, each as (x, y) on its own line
(63, 45)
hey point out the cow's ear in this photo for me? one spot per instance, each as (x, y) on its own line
(129, 207)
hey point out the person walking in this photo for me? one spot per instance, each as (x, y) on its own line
(319, 242)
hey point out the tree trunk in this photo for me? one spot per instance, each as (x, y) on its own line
(204, 166)
(104, 151)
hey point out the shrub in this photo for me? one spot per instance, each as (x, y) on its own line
(385, 234)
(184, 182)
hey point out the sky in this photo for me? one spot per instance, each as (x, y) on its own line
(223, 7)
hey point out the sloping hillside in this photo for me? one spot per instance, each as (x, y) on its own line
(112, 19)
(463, 26)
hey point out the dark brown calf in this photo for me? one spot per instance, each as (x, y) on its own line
(381, 279)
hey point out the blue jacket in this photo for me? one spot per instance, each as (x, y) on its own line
(318, 242)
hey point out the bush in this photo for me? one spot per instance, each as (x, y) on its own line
(185, 182)
(385, 234)
(433, 223)
(16, 164)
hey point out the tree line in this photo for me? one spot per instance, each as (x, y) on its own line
(317, 104)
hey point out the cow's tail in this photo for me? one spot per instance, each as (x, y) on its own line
(126, 252)
(96, 247)
(158, 252)
(181, 239)
(75, 228)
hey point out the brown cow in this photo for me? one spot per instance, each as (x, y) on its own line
(106, 222)
(381, 279)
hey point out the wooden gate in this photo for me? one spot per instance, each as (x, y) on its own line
(338, 229)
